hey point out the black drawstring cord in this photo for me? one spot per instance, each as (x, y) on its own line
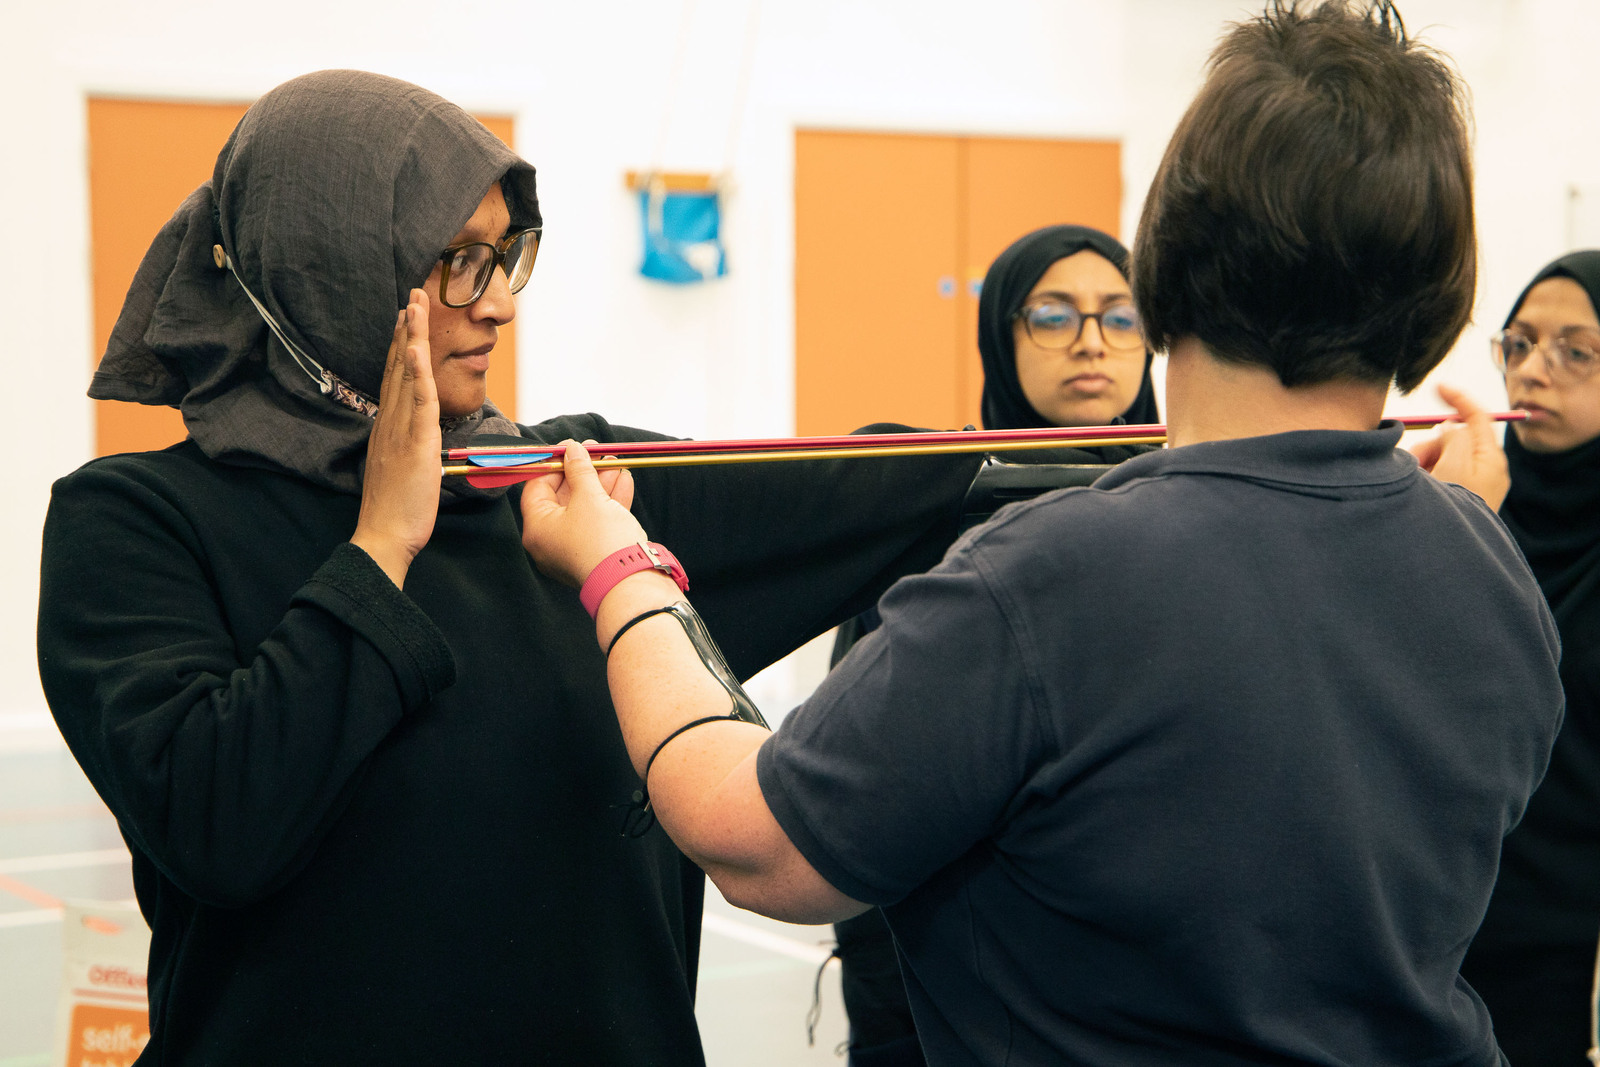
(814, 1016)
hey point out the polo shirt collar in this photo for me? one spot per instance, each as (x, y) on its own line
(1329, 458)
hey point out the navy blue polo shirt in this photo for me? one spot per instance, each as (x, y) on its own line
(1208, 764)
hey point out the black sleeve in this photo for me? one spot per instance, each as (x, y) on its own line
(224, 765)
(585, 427)
(778, 552)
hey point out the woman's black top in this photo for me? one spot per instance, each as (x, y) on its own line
(381, 826)
(1548, 894)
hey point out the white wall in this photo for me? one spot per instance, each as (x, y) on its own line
(592, 99)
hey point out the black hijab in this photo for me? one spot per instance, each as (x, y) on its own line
(1553, 508)
(332, 199)
(1011, 278)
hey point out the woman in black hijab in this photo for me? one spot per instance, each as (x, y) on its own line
(362, 752)
(1533, 961)
(1043, 364)
(1061, 346)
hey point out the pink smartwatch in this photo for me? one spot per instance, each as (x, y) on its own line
(644, 556)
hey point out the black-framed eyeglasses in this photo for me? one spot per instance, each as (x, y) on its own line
(1058, 324)
(466, 270)
(1573, 355)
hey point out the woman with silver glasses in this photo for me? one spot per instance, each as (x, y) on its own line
(1533, 961)
(1062, 345)
(362, 752)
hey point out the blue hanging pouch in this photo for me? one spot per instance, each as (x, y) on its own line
(682, 239)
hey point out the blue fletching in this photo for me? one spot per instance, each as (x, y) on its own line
(510, 459)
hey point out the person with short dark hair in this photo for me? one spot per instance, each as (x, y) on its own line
(1313, 212)
(1210, 762)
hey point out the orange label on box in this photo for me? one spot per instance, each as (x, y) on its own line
(106, 1037)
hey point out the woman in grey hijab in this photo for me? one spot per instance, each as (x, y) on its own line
(362, 752)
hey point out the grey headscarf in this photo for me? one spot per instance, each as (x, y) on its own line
(333, 197)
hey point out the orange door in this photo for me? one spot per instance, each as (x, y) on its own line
(893, 234)
(145, 156)
(876, 254)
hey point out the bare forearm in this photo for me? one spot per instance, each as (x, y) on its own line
(658, 685)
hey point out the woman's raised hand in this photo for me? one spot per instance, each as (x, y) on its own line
(400, 496)
(573, 520)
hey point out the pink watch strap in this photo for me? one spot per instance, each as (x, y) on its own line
(644, 556)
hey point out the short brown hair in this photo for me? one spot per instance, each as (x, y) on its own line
(1313, 212)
